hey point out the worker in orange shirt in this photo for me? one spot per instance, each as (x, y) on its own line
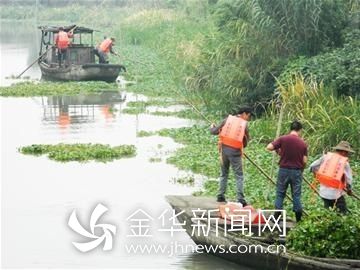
(62, 41)
(103, 50)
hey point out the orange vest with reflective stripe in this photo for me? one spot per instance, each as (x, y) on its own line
(105, 45)
(62, 40)
(331, 171)
(233, 132)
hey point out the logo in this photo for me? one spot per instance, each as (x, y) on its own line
(95, 240)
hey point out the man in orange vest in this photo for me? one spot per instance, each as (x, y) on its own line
(62, 42)
(233, 137)
(104, 48)
(333, 172)
(293, 157)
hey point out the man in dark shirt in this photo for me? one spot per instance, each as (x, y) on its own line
(231, 155)
(293, 157)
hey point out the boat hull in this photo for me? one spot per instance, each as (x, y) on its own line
(256, 260)
(86, 72)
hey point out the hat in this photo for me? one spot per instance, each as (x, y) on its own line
(245, 109)
(344, 146)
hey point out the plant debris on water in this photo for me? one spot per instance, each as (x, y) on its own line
(80, 152)
(29, 89)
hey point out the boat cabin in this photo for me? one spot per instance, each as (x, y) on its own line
(81, 49)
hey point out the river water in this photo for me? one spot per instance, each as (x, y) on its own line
(38, 194)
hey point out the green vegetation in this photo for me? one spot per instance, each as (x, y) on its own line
(255, 40)
(188, 113)
(143, 133)
(80, 152)
(155, 159)
(338, 69)
(29, 89)
(185, 180)
(327, 234)
(327, 119)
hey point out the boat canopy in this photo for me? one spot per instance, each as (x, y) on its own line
(78, 29)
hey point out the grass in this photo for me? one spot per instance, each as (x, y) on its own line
(30, 89)
(80, 152)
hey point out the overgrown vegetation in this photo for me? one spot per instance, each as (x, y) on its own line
(29, 89)
(338, 69)
(327, 234)
(328, 119)
(80, 152)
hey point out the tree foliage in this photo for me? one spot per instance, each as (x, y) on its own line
(339, 69)
(255, 39)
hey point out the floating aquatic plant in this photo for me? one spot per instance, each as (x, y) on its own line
(80, 152)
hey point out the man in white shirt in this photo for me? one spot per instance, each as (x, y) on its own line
(333, 172)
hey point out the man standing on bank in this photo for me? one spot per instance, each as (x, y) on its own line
(293, 157)
(233, 137)
(335, 176)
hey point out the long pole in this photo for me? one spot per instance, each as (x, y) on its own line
(268, 177)
(33, 63)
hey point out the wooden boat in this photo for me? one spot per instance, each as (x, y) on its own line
(80, 62)
(257, 260)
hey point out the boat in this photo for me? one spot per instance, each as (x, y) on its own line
(184, 207)
(80, 63)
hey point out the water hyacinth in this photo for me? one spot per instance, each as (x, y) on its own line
(80, 152)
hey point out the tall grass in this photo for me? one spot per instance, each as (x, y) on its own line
(326, 118)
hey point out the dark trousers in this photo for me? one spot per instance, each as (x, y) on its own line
(62, 55)
(102, 56)
(286, 177)
(231, 156)
(339, 204)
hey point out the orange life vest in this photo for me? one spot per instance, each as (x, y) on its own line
(233, 132)
(331, 171)
(105, 45)
(62, 40)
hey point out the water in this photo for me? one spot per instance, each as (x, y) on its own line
(38, 194)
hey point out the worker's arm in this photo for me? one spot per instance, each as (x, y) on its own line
(314, 167)
(113, 52)
(305, 160)
(305, 157)
(215, 130)
(247, 136)
(270, 147)
(348, 179)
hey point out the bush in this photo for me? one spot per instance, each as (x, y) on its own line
(338, 69)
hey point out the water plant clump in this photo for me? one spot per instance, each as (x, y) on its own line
(30, 89)
(326, 233)
(80, 152)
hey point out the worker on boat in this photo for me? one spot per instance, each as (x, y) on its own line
(233, 137)
(62, 41)
(103, 50)
(293, 157)
(334, 174)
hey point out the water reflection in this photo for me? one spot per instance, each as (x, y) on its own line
(80, 109)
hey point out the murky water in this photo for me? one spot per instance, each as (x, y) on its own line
(38, 194)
